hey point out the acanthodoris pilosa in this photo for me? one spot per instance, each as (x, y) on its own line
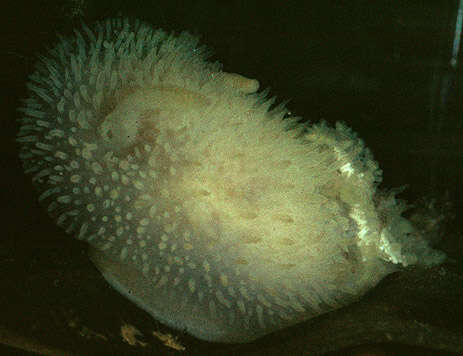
(209, 207)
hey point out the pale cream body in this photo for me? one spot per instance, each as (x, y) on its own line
(214, 213)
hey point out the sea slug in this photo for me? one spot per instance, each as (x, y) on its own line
(207, 205)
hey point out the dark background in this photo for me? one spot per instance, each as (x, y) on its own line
(380, 66)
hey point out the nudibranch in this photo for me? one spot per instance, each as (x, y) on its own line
(212, 209)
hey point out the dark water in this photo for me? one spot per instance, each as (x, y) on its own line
(390, 70)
